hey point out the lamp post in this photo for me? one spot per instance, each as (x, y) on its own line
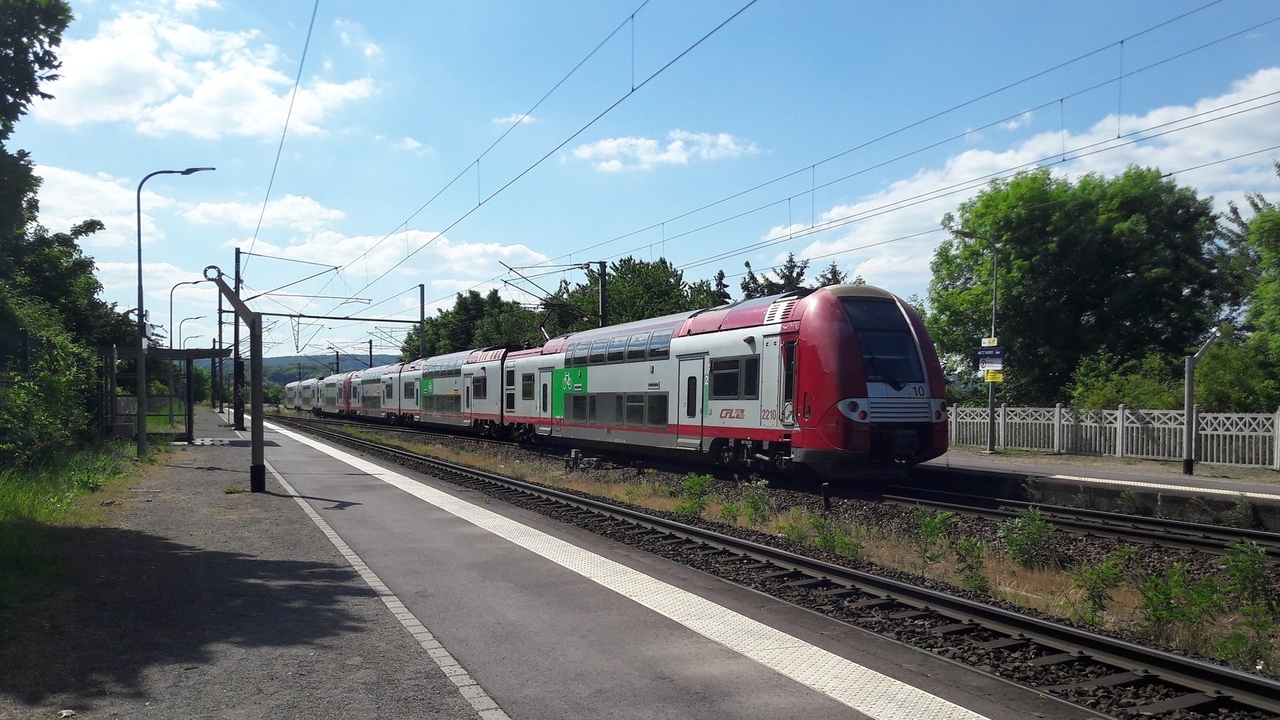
(184, 342)
(197, 317)
(995, 294)
(141, 430)
(169, 383)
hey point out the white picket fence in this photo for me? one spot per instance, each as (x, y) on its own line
(1251, 439)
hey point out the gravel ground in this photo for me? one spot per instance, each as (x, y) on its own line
(193, 603)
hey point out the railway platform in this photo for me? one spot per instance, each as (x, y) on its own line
(1135, 486)
(354, 588)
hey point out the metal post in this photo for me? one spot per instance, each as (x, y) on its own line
(215, 366)
(258, 467)
(1057, 429)
(191, 402)
(142, 321)
(1188, 405)
(237, 366)
(1121, 424)
(337, 365)
(604, 307)
(422, 320)
(370, 352)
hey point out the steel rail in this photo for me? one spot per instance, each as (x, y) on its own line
(1214, 681)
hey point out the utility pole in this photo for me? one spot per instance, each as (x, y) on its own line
(215, 365)
(604, 308)
(370, 352)
(337, 364)
(237, 368)
(422, 320)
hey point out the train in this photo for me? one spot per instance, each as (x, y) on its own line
(842, 381)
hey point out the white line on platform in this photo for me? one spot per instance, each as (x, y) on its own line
(863, 689)
(467, 685)
(1166, 486)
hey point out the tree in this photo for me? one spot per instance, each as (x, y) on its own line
(1131, 263)
(831, 276)
(790, 279)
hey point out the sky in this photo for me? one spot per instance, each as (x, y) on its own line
(391, 144)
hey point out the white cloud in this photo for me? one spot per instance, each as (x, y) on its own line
(633, 153)
(408, 143)
(292, 211)
(68, 197)
(164, 76)
(513, 119)
(1015, 123)
(887, 234)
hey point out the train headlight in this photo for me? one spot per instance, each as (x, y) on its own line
(853, 406)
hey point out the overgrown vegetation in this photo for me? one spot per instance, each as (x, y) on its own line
(1028, 539)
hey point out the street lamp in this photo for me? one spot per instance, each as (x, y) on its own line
(197, 317)
(184, 342)
(170, 363)
(141, 430)
(995, 293)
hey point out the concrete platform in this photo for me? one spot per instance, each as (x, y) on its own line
(549, 621)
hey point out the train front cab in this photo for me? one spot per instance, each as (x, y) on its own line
(868, 388)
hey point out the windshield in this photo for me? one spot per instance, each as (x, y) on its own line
(885, 340)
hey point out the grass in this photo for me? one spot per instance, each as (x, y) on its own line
(34, 501)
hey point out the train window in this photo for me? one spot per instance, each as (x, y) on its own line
(598, 349)
(617, 349)
(544, 398)
(511, 400)
(526, 386)
(691, 397)
(636, 346)
(480, 386)
(635, 410)
(591, 409)
(581, 352)
(657, 410)
(888, 347)
(751, 377)
(408, 390)
(511, 378)
(619, 409)
(390, 394)
(428, 403)
(725, 377)
(578, 407)
(660, 345)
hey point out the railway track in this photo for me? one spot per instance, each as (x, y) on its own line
(1157, 531)
(1120, 527)
(1100, 672)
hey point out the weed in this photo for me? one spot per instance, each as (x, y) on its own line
(1242, 514)
(631, 493)
(233, 490)
(970, 561)
(933, 530)
(1093, 582)
(1176, 607)
(1131, 503)
(696, 488)
(755, 495)
(1251, 645)
(729, 513)
(1028, 539)
(794, 527)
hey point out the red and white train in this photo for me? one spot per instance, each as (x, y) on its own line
(843, 380)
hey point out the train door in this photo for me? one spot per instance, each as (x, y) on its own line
(544, 400)
(787, 380)
(771, 385)
(689, 390)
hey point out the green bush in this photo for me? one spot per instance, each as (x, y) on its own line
(755, 495)
(1029, 540)
(1094, 581)
(1177, 607)
(970, 565)
(932, 531)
